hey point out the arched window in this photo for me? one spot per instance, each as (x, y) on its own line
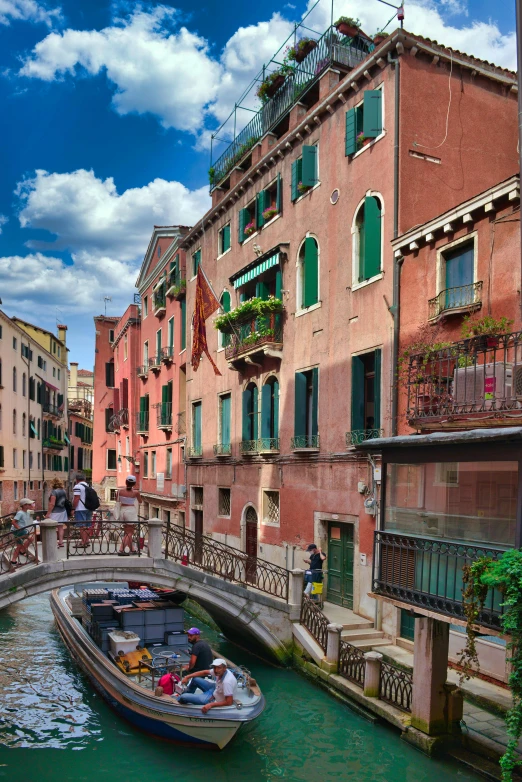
(225, 307)
(250, 416)
(308, 274)
(367, 243)
(24, 424)
(24, 383)
(14, 379)
(270, 415)
(14, 421)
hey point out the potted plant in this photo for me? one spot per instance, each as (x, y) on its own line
(269, 212)
(379, 37)
(485, 331)
(302, 50)
(303, 188)
(250, 228)
(346, 25)
(211, 175)
(253, 308)
(271, 83)
(362, 141)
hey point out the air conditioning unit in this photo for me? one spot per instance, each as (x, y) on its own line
(482, 385)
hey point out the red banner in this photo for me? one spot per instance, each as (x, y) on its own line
(206, 305)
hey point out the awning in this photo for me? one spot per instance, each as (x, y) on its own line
(254, 270)
(49, 385)
(33, 428)
(497, 434)
(66, 439)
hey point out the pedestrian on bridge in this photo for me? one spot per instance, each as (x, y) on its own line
(20, 525)
(57, 510)
(129, 499)
(82, 516)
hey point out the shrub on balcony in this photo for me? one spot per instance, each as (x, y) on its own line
(486, 326)
(270, 85)
(347, 25)
(252, 308)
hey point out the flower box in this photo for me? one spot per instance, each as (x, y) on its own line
(268, 213)
(302, 50)
(253, 308)
(250, 228)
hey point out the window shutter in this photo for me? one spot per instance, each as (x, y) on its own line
(278, 284)
(260, 207)
(125, 393)
(116, 400)
(1, 455)
(226, 238)
(262, 290)
(295, 179)
(309, 166)
(164, 403)
(266, 410)
(169, 392)
(246, 423)
(310, 273)
(109, 374)
(255, 416)
(350, 138)
(372, 238)
(315, 401)
(377, 390)
(225, 301)
(225, 420)
(183, 324)
(372, 113)
(276, 408)
(279, 193)
(300, 405)
(197, 426)
(243, 216)
(357, 393)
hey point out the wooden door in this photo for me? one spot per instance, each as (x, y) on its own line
(340, 564)
(251, 545)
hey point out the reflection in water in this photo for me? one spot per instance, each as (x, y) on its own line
(303, 734)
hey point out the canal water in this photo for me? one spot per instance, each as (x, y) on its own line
(304, 735)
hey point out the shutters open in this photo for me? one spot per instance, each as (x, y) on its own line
(357, 393)
(350, 139)
(310, 272)
(372, 113)
(266, 411)
(371, 244)
(243, 219)
(300, 404)
(309, 166)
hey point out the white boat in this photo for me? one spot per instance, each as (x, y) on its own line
(159, 715)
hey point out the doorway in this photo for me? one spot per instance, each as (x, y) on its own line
(251, 545)
(340, 564)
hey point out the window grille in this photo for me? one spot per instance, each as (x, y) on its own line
(271, 507)
(197, 496)
(224, 502)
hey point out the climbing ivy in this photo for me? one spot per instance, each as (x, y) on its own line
(504, 574)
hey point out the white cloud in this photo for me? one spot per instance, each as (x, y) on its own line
(28, 11)
(3, 221)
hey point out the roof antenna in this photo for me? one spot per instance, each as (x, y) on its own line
(106, 299)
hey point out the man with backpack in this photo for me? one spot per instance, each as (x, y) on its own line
(85, 501)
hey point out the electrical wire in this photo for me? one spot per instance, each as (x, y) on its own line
(427, 146)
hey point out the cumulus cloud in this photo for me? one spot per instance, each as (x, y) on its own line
(28, 11)
(3, 221)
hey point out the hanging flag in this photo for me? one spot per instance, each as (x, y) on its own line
(206, 304)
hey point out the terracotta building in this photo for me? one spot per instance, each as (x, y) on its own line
(306, 204)
(106, 405)
(80, 404)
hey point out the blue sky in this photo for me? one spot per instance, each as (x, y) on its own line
(107, 111)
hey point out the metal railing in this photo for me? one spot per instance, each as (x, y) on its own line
(429, 573)
(463, 296)
(223, 449)
(315, 621)
(194, 451)
(476, 378)
(18, 548)
(181, 424)
(331, 48)
(142, 371)
(159, 300)
(248, 447)
(142, 422)
(176, 284)
(164, 415)
(155, 362)
(105, 537)
(305, 442)
(262, 445)
(52, 409)
(396, 686)
(358, 436)
(352, 664)
(167, 354)
(53, 442)
(253, 334)
(203, 553)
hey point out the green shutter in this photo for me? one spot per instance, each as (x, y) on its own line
(295, 179)
(226, 238)
(377, 390)
(279, 193)
(315, 401)
(300, 405)
(245, 426)
(164, 403)
(196, 260)
(262, 290)
(66, 464)
(278, 284)
(196, 409)
(357, 393)
(225, 420)
(260, 207)
(372, 114)
(276, 408)
(225, 301)
(309, 166)
(350, 139)
(171, 333)
(243, 219)
(266, 410)
(183, 324)
(255, 410)
(310, 273)
(372, 238)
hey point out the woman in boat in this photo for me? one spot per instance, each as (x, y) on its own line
(129, 499)
(56, 509)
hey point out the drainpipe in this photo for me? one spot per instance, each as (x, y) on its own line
(394, 309)
(519, 68)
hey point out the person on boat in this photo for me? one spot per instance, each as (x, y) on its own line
(19, 527)
(56, 509)
(218, 692)
(129, 499)
(82, 516)
(201, 654)
(315, 572)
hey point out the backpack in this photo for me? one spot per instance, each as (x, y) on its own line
(92, 501)
(68, 506)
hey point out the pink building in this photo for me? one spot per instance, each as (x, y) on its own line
(80, 406)
(106, 405)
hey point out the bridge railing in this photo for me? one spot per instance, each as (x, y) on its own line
(17, 547)
(104, 536)
(219, 559)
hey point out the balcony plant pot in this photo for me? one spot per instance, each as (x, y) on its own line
(347, 29)
(379, 38)
(304, 50)
(274, 85)
(492, 342)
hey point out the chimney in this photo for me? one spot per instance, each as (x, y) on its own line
(62, 336)
(73, 374)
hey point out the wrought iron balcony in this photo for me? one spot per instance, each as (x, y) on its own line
(155, 363)
(261, 334)
(142, 422)
(358, 436)
(164, 416)
(54, 410)
(263, 445)
(53, 442)
(167, 354)
(181, 424)
(305, 443)
(428, 573)
(248, 447)
(142, 371)
(474, 380)
(223, 449)
(464, 298)
(176, 285)
(159, 301)
(194, 451)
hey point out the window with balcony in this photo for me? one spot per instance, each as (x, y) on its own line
(159, 297)
(247, 221)
(170, 339)
(305, 171)
(165, 409)
(270, 415)
(308, 274)
(223, 447)
(143, 415)
(196, 260)
(366, 397)
(306, 430)
(364, 122)
(250, 417)
(459, 291)
(367, 240)
(158, 346)
(224, 239)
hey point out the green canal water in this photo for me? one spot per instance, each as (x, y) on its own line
(304, 735)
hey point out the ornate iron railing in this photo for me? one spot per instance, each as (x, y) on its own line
(181, 424)
(159, 301)
(52, 409)
(155, 362)
(302, 442)
(358, 436)
(351, 663)
(17, 548)
(105, 537)
(429, 573)
(396, 686)
(203, 553)
(464, 296)
(253, 334)
(164, 415)
(315, 621)
(52, 442)
(142, 371)
(194, 451)
(167, 354)
(331, 48)
(142, 422)
(248, 447)
(268, 445)
(223, 449)
(476, 379)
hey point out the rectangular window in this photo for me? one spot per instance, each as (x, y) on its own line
(109, 374)
(145, 464)
(224, 239)
(15, 490)
(247, 221)
(109, 412)
(15, 458)
(366, 395)
(145, 306)
(158, 345)
(305, 171)
(58, 374)
(168, 464)
(224, 422)
(15, 343)
(71, 456)
(196, 260)
(183, 324)
(224, 502)
(113, 494)
(111, 458)
(24, 459)
(306, 434)
(125, 347)
(364, 121)
(39, 463)
(1, 456)
(269, 202)
(458, 274)
(146, 354)
(196, 427)
(170, 337)
(54, 371)
(111, 336)
(31, 459)
(153, 464)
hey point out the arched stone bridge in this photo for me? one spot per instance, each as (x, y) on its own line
(258, 621)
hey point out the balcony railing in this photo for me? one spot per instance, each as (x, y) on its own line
(53, 409)
(428, 573)
(53, 442)
(332, 48)
(306, 442)
(477, 379)
(159, 301)
(167, 354)
(263, 445)
(164, 416)
(176, 284)
(223, 449)
(253, 335)
(248, 447)
(142, 371)
(142, 422)
(358, 436)
(194, 452)
(181, 424)
(464, 297)
(155, 363)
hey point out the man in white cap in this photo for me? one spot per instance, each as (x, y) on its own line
(218, 692)
(19, 527)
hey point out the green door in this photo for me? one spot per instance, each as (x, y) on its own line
(340, 564)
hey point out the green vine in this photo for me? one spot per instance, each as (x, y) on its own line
(252, 308)
(504, 574)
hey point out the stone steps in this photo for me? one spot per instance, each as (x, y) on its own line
(363, 634)
(369, 644)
